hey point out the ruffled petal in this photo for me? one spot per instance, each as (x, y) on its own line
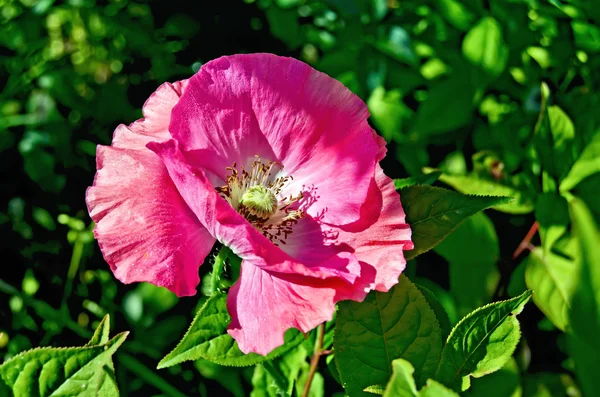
(381, 235)
(145, 230)
(155, 124)
(234, 231)
(282, 110)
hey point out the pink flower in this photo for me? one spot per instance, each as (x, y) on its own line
(274, 160)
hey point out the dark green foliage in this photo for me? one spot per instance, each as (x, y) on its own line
(491, 99)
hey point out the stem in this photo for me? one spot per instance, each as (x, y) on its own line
(527, 240)
(73, 267)
(218, 268)
(280, 381)
(314, 361)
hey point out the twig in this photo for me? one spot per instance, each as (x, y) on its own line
(314, 362)
(526, 243)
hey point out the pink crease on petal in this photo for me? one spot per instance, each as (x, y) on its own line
(145, 230)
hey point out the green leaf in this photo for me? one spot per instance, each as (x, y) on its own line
(288, 366)
(387, 112)
(57, 372)
(456, 13)
(587, 36)
(440, 313)
(587, 164)
(385, 326)
(553, 139)
(583, 342)
(435, 389)
(482, 342)
(207, 338)
(102, 332)
(426, 179)
(402, 383)
(506, 382)
(552, 213)
(108, 383)
(472, 251)
(553, 280)
(433, 213)
(437, 115)
(472, 184)
(484, 47)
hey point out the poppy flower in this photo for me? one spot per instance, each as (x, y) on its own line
(274, 160)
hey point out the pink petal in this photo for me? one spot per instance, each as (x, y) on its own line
(155, 124)
(282, 110)
(234, 231)
(264, 305)
(145, 230)
(382, 235)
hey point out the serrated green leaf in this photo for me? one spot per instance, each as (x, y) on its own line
(108, 383)
(553, 279)
(102, 332)
(385, 326)
(484, 46)
(472, 184)
(583, 342)
(472, 251)
(435, 389)
(482, 342)
(401, 382)
(440, 313)
(586, 165)
(55, 372)
(207, 338)
(433, 213)
(426, 179)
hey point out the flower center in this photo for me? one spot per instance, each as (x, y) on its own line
(260, 201)
(256, 195)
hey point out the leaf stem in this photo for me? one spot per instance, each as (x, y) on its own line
(314, 362)
(280, 381)
(526, 243)
(218, 268)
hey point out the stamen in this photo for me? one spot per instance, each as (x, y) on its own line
(256, 195)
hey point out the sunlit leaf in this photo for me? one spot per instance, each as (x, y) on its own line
(471, 184)
(401, 382)
(482, 342)
(207, 338)
(433, 213)
(484, 46)
(385, 326)
(50, 371)
(587, 164)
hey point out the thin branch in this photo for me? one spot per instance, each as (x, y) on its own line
(314, 362)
